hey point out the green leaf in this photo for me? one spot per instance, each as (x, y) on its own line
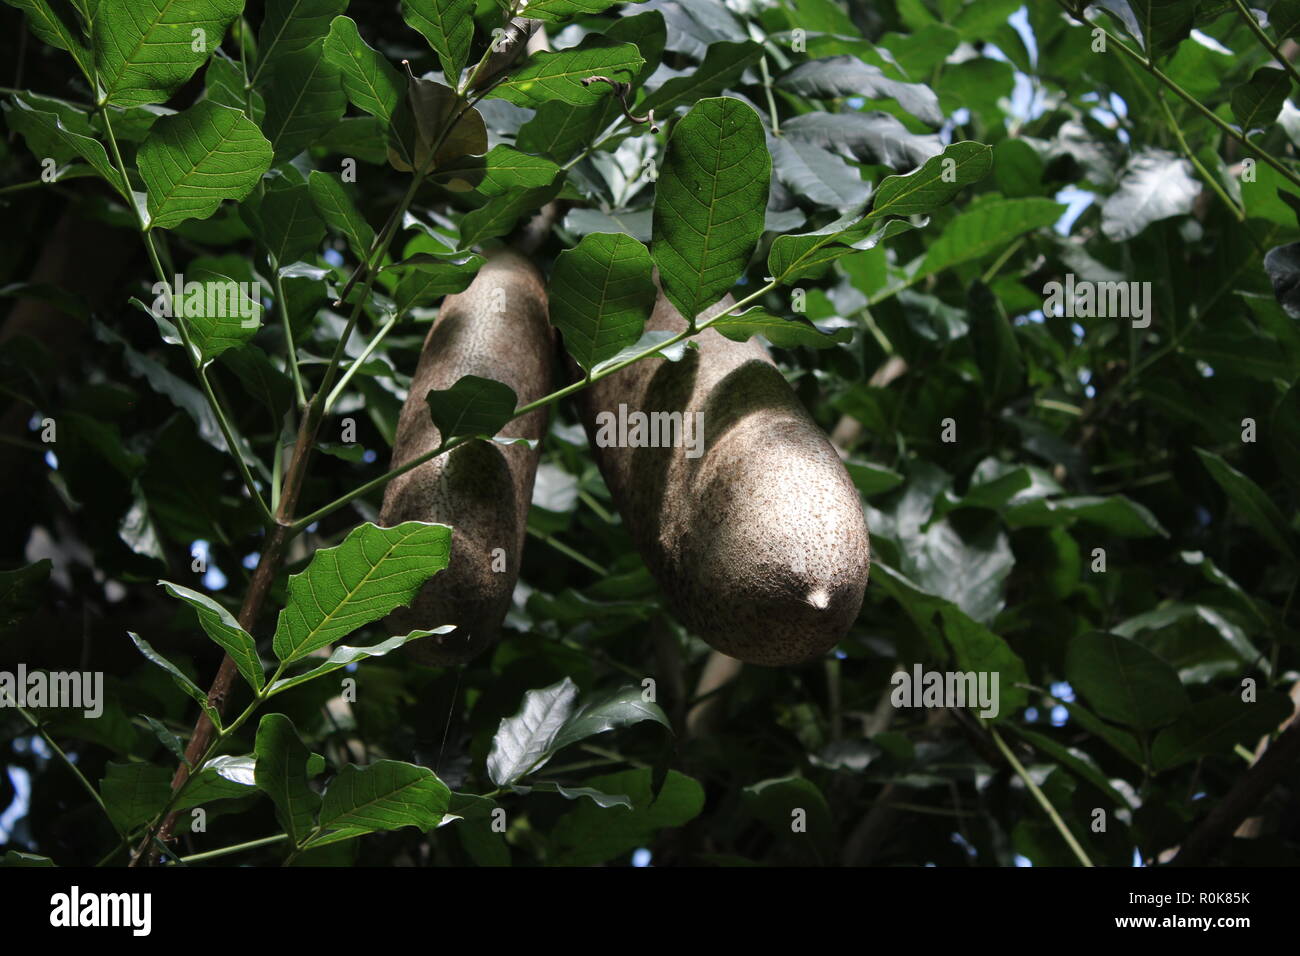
(291, 26)
(997, 353)
(195, 159)
(371, 83)
(21, 592)
(524, 742)
(55, 29)
(134, 793)
(709, 202)
(504, 169)
(935, 184)
(588, 834)
(808, 255)
(499, 215)
(304, 101)
(847, 75)
(418, 126)
(1285, 433)
(145, 49)
(167, 738)
(872, 479)
(1257, 102)
(985, 229)
(261, 378)
(1284, 18)
(1078, 761)
(979, 650)
(344, 655)
(424, 281)
(1123, 681)
(558, 76)
(448, 25)
(1164, 24)
(217, 312)
(601, 294)
(1217, 725)
(720, 69)
(1118, 514)
(1155, 184)
(553, 11)
(559, 130)
(220, 625)
(177, 676)
(281, 773)
(618, 708)
(339, 211)
(221, 778)
(386, 795)
(788, 333)
(776, 802)
(474, 406)
(224, 84)
(576, 793)
(286, 221)
(46, 130)
(1251, 501)
(17, 857)
(373, 571)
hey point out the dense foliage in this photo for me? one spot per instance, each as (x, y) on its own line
(925, 206)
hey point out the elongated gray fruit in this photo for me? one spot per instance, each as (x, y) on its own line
(498, 329)
(759, 543)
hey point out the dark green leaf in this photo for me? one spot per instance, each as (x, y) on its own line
(145, 49)
(373, 571)
(784, 333)
(1123, 681)
(282, 775)
(387, 795)
(1251, 502)
(601, 293)
(709, 202)
(448, 25)
(220, 625)
(195, 159)
(474, 406)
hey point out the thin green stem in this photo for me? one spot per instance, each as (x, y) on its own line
(360, 360)
(1210, 180)
(543, 402)
(1263, 38)
(771, 101)
(291, 351)
(569, 552)
(1002, 260)
(1040, 797)
(94, 794)
(237, 848)
(601, 511)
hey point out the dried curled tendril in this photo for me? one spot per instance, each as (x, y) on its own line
(622, 91)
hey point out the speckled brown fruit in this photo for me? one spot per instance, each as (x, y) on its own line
(760, 544)
(482, 489)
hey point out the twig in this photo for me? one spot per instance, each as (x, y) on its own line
(1221, 822)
